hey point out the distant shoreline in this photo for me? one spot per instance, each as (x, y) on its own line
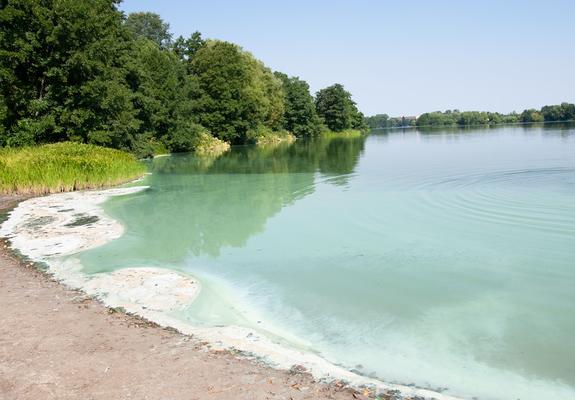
(487, 126)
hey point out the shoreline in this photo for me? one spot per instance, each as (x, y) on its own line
(58, 343)
(51, 229)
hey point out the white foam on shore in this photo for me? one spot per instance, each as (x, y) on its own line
(50, 229)
(43, 228)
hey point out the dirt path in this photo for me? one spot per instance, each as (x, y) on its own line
(57, 344)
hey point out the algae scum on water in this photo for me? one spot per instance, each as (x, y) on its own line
(444, 260)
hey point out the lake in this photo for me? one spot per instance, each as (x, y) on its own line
(443, 259)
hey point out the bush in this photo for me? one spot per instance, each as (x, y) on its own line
(207, 145)
(265, 135)
(186, 138)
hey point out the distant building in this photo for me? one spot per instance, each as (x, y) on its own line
(409, 120)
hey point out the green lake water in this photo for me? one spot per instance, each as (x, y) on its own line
(444, 259)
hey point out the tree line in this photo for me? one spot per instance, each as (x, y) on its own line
(83, 71)
(549, 113)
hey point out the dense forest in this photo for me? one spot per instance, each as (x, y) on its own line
(83, 71)
(552, 113)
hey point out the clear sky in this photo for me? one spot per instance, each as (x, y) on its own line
(401, 57)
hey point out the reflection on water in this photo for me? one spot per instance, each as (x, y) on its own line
(441, 258)
(199, 204)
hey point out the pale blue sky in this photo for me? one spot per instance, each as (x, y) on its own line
(401, 57)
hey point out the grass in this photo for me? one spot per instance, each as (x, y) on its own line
(64, 167)
(348, 133)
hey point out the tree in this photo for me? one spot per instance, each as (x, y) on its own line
(236, 94)
(82, 71)
(511, 118)
(187, 48)
(300, 117)
(531, 115)
(378, 121)
(437, 118)
(3, 115)
(338, 111)
(358, 121)
(551, 113)
(162, 96)
(494, 118)
(561, 112)
(469, 118)
(150, 26)
(567, 111)
(62, 73)
(460, 118)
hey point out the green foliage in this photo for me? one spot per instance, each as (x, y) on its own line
(162, 93)
(207, 145)
(358, 120)
(147, 146)
(552, 113)
(300, 117)
(29, 129)
(531, 115)
(235, 92)
(81, 71)
(562, 112)
(64, 166)
(472, 118)
(378, 121)
(61, 72)
(338, 111)
(186, 49)
(348, 133)
(436, 118)
(149, 26)
(263, 135)
(187, 137)
(512, 118)
(382, 121)
(465, 118)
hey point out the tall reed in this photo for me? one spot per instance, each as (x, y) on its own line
(64, 167)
